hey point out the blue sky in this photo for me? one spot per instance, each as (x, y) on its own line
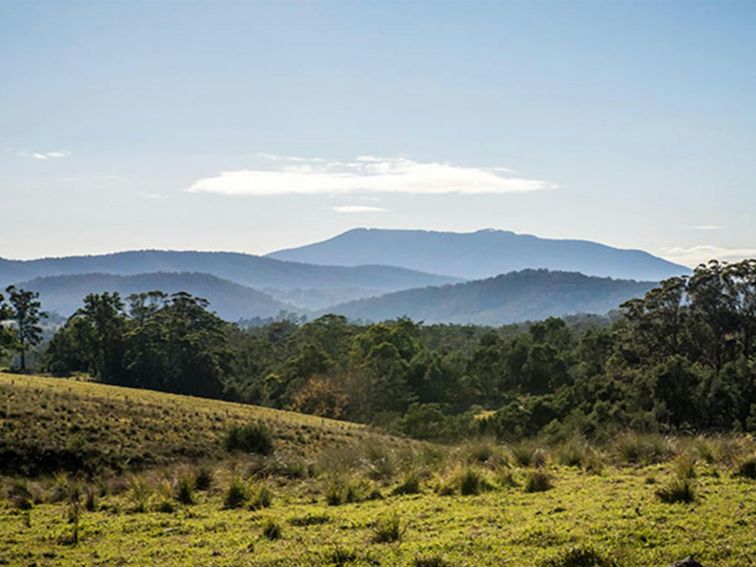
(253, 126)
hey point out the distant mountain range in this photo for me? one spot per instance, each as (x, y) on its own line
(509, 298)
(246, 269)
(231, 301)
(495, 277)
(480, 254)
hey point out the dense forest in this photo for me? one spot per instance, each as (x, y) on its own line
(681, 358)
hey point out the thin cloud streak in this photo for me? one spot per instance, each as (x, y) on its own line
(358, 209)
(696, 255)
(56, 154)
(365, 174)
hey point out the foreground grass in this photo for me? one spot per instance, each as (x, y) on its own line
(335, 493)
(616, 514)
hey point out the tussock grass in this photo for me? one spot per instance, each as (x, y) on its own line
(388, 529)
(579, 557)
(538, 481)
(642, 449)
(271, 529)
(747, 468)
(237, 493)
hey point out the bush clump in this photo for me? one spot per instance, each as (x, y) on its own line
(236, 493)
(387, 530)
(678, 490)
(410, 485)
(579, 557)
(747, 468)
(254, 437)
(271, 529)
(538, 481)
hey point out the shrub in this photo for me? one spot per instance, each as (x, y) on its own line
(139, 494)
(466, 481)
(747, 468)
(20, 496)
(340, 556)
(579, 557)
(387, 529)
(685, 466)
(203, 478)
(262, 498)
(236, 493)
(379, 460)
(409, 485)
(344, 491)
(74, 510)
(90, 499)
(571, 454)
(483, 450)
(184, 489)
(634, 448)
(527, 455)
(254, 437)
(271, 529)
(538, 481)
(470, 482)
(678, 489)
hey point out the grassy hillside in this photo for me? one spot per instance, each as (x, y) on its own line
(508, 298)
(47, 422)
(333, 493)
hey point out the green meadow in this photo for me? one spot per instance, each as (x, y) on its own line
(156, 482)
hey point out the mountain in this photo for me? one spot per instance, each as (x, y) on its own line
(510, 298)
(231, 301)
(245, 269)
(481, 254)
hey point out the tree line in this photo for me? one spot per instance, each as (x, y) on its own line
(681, 358)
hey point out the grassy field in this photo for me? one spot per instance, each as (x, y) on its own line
(336, 493)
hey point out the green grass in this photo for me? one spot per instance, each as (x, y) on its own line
(159, 515)
(49, 423)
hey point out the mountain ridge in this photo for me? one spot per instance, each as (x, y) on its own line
(480, 254)
(231, 301)
(507, 298)
(246, 269)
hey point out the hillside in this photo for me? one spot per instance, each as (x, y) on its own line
(508, 298)
(480, 254)
(50, 423)
(231, 301)
(245, 269)
(334, 493)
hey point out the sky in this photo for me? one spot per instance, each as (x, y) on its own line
(255, 126)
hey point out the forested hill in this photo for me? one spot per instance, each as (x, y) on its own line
(508, 298)
(481, 254)
(246, 269)
(231, 301)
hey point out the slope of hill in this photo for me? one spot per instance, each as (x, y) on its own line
(231, 301)
(246, 269)
(480, 254)
(508, 298)
(119, 427)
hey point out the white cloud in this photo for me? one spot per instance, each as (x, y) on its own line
(703, 253)
(365, 174)
(706, 227)
(56, 154)
(358, 209)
